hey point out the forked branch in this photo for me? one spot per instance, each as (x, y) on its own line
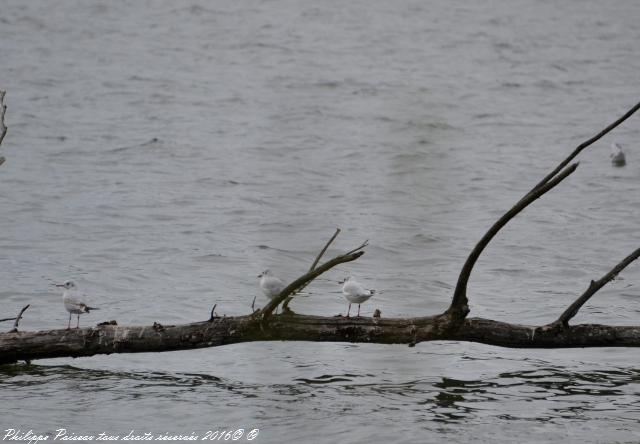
(308, 277)
(459, 304)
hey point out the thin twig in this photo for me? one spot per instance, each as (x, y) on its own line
(308, 277)
(324, 249)
(15, 324)
(213, 315)
(586, 143)
(594, 286)
(364, 244)
(253, 304)
(285, 306)
(459, 302)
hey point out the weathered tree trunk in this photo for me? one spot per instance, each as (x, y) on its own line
(107, 339)
(262, 325)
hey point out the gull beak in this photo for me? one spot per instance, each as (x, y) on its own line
(58, 285)
(260, 275)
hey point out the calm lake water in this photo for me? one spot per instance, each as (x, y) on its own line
(163, 153)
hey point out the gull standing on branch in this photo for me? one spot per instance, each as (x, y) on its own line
(355, 293)
(617, 156)
(271, 286)
(74, 301)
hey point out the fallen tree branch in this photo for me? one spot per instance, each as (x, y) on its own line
(107, 339)
(285, 306)
(308, 277)
(594, 286)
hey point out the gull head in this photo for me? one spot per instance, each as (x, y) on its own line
(67, 284)
(617, 155)
(266, 272)
(348, 278)
(615, 148)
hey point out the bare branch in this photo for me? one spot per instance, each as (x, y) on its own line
(594, 286)
(459, 308)
(309, 276)
(364, 244)
(586, 143)
(324, 249)
(285, 306)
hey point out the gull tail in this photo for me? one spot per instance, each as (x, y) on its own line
(87, 309)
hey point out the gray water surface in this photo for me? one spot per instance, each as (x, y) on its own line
(162, 154)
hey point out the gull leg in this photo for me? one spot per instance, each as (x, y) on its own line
(349, 309)
(358, 311)
(78, 324)
(69, 324)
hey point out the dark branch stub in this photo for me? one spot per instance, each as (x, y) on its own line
(594, 286)
(17, 321)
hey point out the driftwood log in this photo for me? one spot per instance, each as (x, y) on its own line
(263, 325)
